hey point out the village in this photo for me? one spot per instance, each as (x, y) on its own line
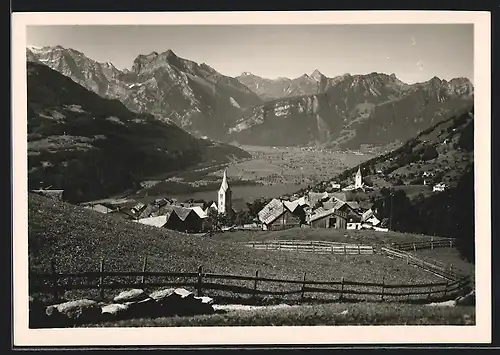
(332, 209)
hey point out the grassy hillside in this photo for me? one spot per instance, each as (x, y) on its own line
(446, 150)
(77, 238)
(92, 147)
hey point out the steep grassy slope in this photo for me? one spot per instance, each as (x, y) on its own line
(92, 147)
(77, 238)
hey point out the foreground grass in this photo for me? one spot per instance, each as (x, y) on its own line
(77, 239)
(335, 235)
(449, 256)
(329, 314)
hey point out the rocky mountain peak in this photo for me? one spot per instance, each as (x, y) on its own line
(317, 75)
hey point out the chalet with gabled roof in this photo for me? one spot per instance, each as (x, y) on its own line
(276, 215)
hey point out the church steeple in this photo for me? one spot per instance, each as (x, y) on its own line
(224, 199)
(359, 179)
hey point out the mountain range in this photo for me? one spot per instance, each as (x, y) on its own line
(347, 111)
(92, 147)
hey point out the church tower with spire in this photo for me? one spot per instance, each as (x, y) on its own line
(358, 183)
(225, 198)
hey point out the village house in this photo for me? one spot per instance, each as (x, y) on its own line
(328, 218)
(440, 187)
(189, 220)
(369, 217)
(99, 207)
(275, 215)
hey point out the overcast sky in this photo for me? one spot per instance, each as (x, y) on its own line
(415, 53)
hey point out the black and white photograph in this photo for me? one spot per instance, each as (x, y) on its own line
(196, 177)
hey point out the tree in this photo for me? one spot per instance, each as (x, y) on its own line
(214, 220)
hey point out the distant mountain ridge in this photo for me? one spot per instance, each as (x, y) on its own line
(346, 112)
(353, 110)
(194, 96)
(269, 89)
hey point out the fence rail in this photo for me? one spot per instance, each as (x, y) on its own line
(314, 246)
(431, 244)
(445, 271)
(56, 283)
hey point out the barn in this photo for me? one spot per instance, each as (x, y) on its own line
(275, 215)
(329, 218)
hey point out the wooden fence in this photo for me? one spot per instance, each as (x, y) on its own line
(432, 244)
(57, 283)
(314, 246)
(441, 269)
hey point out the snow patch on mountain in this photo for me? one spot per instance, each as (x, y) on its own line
(234, 102)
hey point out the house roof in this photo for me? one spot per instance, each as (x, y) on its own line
(158, 221)
(199, 211)
(315, 197)
(292, 205)
(366, 215)
(146, 212)
(353, 204)
(271, 211)
(321, 213)
(99, 208)
(333, 202)
(339, 195)
(139, 206)
(181, 212)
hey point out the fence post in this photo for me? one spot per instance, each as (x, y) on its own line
(143, 277)
(303, 287)
(255, 283)
(313, 247)
(432, 243)
(407, 260)
(359, 249)
(414, 247)
(54, 279)
(429, 294)
(332, 249)
(383, 287)
(451, 243)
(345, 250)
(199, 292)
(101, 278)
(446, 288)
(341, 288)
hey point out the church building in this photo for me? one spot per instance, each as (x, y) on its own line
(224, 201)
(358, 182)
